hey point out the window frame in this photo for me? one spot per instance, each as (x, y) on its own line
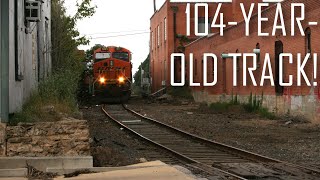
(165, 29)
(158, 35)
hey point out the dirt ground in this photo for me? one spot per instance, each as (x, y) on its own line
(290, 140)
(112, 146)
(293, 141)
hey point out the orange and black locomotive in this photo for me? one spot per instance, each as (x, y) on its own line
(112, 73)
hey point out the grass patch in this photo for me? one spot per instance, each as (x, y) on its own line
(55, 98)
(180, 92)
(221, 106)
(254, 105)
(265, 113)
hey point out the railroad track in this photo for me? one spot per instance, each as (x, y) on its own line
(216, 159)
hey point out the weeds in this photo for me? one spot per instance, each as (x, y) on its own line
(180, 92)
(55, 98)
(221, 106)
(254, 105)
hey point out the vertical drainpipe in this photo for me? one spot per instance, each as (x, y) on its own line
(4, 61)
(175, 10)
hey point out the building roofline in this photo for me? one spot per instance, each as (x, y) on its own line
(159, 9)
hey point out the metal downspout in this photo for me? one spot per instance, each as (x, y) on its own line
(4, 62)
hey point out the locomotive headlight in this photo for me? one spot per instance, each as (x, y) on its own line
(121, 79)
(102, 80)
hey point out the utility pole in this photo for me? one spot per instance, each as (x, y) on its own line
(154, 6)
(141, 74)
(4, 61)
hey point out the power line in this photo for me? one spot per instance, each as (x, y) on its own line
(115, 32)
(122, 35)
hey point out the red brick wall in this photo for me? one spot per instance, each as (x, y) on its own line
(234, 38)
(160, 56)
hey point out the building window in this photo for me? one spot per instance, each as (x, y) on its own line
(152, 41)
(308, 40)
(278, 51)
(196, 67)
(165, 29)
(202, 25)
(238, 62)
(258, 55)
(213, 69)
(158, 36)
(238, 67)
(155, 38)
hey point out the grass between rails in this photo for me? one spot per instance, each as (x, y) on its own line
(55, 98)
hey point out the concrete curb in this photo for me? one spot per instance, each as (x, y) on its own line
(21, 172)
(109, 169)
(95, 169)
(42, 163)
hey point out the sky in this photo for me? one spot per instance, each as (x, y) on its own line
(119, 18)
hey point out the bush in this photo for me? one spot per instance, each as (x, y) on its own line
(254, 105)
(221, 106)
(180, 92)
(55, 98)
(265, 113)
(57, 94)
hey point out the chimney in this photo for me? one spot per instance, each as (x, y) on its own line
(154, 5)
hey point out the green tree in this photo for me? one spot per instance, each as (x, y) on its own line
(146, 67)
(65, 36)
(90, 51)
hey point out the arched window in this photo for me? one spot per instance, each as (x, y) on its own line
(238, 67)
(308, 40)
(258, 55)
(238, 61)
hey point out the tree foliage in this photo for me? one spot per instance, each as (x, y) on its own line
(145, 66)
(90, 51)
(65, 36)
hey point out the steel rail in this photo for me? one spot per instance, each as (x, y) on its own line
(162, 139)
(195, 163)
(230, 149)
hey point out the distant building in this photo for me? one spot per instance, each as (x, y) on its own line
(25, 50)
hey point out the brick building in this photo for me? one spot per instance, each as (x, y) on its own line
(168, 29)
(296, 100)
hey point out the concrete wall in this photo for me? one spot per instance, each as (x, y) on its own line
(33, 53)
(296, 105)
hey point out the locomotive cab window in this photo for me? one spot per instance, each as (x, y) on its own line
(102, 56)
(121, 55)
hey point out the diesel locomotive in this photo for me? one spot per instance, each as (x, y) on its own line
(112, 74)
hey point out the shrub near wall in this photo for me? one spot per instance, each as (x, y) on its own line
(2, 139)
